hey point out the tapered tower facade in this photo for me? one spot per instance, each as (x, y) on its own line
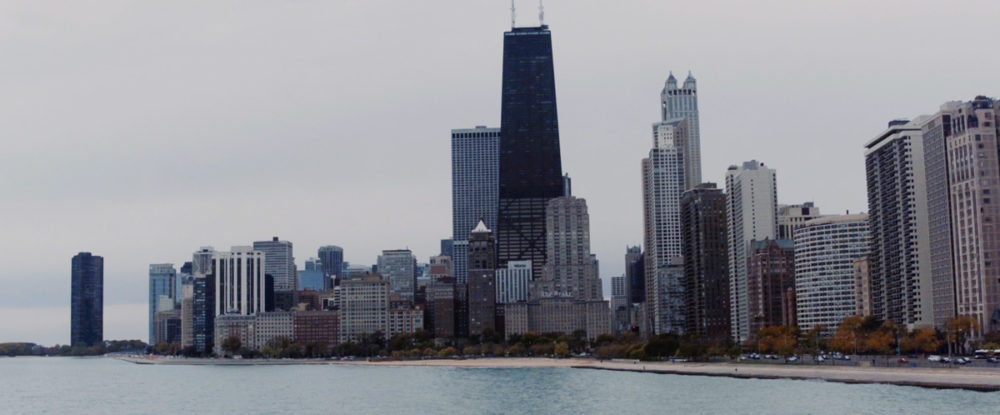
(530, 165)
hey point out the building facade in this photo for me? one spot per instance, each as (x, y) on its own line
(482, 280)
(475, 170)
(791, 217)
(399, 267)
(332, 259)
(862, 287)
(513, 282)
(317, 327)
(899, 254)
(826, 250)
(706, 266)
(771, 284)
(530, 164)
(239, 281)
(87, 300)
(364, 307)
(664, 179)
(973, 162)
(279, 262)
(682, 103)
(162, 282)
(751, 213)
(571, 269)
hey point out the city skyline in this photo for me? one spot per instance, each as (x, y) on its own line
(134, 229)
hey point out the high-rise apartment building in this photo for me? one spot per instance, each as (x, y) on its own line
(973, 166)
(899, 257)
(279, 262)
(482, 280)
(770, 284)
(935, 131)
(706, 266)
(162, 282)
(87, 300)
(791, 217)
(664, 179)
(530, 163)
(332, 259)
(399, 267)
(826, 251)
(475, 164)
(751, 213)
(682, 102)
(239, 281)
(364, 307)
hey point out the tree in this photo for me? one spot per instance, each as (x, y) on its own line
(662, 345)
(959, 329)
(447, 352)
(778, 339)
(847, 336)
(561, 349)
(232, 344)
(922, 340)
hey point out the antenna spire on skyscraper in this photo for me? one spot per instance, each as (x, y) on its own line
(512, 14)
(541, 13)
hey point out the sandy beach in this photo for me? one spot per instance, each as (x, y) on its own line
(945, 378)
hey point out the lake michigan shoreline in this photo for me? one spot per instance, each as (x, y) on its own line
(983, 380)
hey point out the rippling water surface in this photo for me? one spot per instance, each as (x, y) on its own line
(103, 385)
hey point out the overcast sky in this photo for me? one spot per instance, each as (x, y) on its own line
(141, 131)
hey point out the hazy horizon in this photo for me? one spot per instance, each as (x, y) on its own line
(141, 131)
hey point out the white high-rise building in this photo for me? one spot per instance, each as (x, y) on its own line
(899, 225)
(663, 184)
(825, 252)
(682, 102)
(751, 212)
(513, 282)
(239, 281)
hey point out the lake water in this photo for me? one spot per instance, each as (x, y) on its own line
(104, 385)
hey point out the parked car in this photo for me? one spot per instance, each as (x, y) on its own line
(933, 358)
(993, 359)
(903, 360)
(845, 357)
(819, 358)
(793, 358)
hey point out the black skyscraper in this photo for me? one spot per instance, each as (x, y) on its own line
(530, 165)
(203, 312)
(87, 308)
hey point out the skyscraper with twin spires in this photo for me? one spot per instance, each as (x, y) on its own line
(530, 163)
(682, 102)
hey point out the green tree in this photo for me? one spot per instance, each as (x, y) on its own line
(662, 345)
(232, 344)
(561, 349)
